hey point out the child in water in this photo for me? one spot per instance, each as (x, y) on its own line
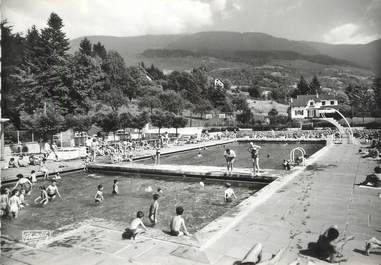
(153, 209)
(14, 204)
(33, 177)
(43, 198)
(99, 195)
(115, 188)
(4, 202)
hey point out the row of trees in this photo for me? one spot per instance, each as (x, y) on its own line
(47, 122)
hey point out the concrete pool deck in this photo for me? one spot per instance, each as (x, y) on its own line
(289, 213)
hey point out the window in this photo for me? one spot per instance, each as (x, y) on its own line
(299, 112)
(323, 103)
(311, 103)
(332, 102)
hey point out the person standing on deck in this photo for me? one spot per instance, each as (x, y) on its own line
(254, 152)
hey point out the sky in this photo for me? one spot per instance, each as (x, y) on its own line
(331, 21)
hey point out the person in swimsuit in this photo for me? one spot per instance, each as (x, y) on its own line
(136, 227)
(153, 209)
(14, 204)
(254, 152)
(230, 159)
(23, 183)
(98, 198)
(115, 188)
(229, 193)
(177, 224)
(4, 202)
(52, 190)
(157, 158)
(43, 198)
(373, 179)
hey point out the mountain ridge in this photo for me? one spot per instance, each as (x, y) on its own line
(366, 55)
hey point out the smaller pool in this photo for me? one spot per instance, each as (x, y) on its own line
(271, 155)
(78, 190)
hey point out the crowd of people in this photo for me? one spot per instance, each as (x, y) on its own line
(13, 200)
(287, 135)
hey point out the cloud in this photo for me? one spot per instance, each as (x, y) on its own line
(348, 33)
(289, 8)
(114, 17)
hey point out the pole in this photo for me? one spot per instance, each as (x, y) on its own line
(61, 139)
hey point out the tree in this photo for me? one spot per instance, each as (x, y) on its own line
(171, 101)
(377, 93)
(56, 43)
(114, 99)
(303, 87)
(45, 122)
(150, 102)
(100, 50)
(161, 119)
(126, 120)
(179, 122)
(12, 46)
(140, 120)
(109, 122)
(78, 122)
(202, 107)
(239, 102)
(85, 47)
(253, 92)
(245, 117)
(315, 87)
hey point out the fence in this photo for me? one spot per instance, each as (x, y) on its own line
(15, 137)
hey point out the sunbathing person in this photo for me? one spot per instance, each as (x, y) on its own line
(371, 245)
(374, 179)
(254, 257)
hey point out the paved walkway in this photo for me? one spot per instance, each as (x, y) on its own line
(290, 218)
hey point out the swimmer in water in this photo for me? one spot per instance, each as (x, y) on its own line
(199, 153)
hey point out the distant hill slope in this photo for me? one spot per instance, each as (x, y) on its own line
(367, 55)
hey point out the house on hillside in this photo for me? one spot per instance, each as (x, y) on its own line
(312, 106)
(218, 83)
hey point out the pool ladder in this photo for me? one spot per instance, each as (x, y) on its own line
(292, 153)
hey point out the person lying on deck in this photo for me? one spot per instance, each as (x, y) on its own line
(372, 245)
(254, 257)
(373, 179)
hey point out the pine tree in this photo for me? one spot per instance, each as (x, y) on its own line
(315, 87)
(303, 87)
(100, 50)
(85, 47)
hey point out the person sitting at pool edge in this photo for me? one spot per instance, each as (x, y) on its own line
(373, 179)
(177, 224)
(136, 227)
(229, 193)
(230, 159)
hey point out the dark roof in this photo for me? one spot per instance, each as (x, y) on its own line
(302, 100)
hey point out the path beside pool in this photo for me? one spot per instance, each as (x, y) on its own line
(288, 213)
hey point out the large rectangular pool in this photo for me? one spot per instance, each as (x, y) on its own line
(202, 205)
(271, 155)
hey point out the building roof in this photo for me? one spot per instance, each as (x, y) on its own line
(302, 100)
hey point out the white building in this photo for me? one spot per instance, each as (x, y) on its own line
(218, 83)
(312, 106)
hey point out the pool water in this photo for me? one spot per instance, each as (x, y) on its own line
(202, 205)
(271, 154)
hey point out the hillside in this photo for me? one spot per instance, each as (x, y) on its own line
(367, 55)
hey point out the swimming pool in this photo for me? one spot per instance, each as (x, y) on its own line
(271, 154)
(202, 205)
